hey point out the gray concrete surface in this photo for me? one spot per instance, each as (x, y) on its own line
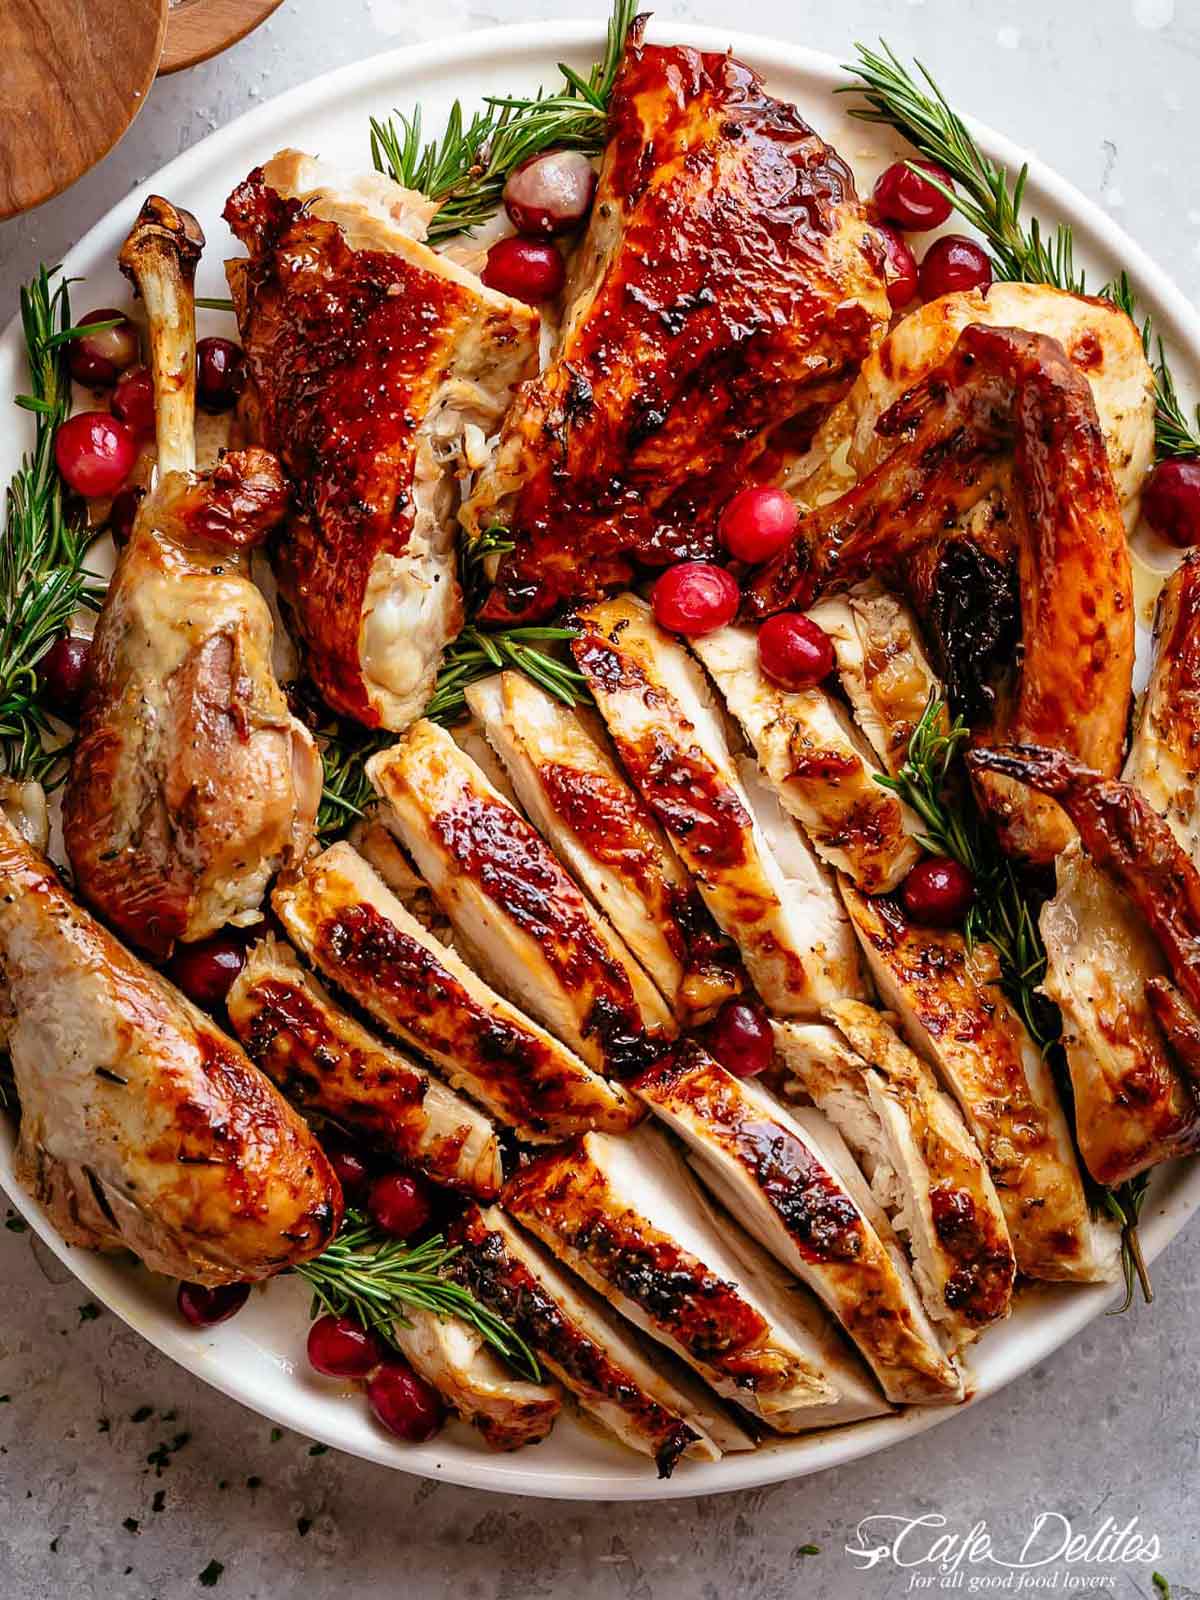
(1110, 1427)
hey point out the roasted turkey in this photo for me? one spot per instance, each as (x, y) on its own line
(143, 1126)
(1001, 394)
(191, 782)
(728, 283)
(377, 369)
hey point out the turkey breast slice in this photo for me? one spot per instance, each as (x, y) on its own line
(568, 781)
(650, 1403)
(327, 1062)
(346, 921)
(924, 1168)
(802, 1198)
(669, 734)
(953, 1012)
(514, 906)
(628, 1216)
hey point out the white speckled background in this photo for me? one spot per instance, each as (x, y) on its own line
(1105, 90)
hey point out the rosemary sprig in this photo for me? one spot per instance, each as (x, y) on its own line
(466, 168)
(345, 749)
(1004, 914)
(1023, 251)
(43, 579)
(985, 196)
(366, 1275)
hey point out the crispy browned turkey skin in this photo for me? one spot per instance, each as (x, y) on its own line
(1002, 394)
(143, 1126)
(368, 356)
(191, 782)
(728, 281)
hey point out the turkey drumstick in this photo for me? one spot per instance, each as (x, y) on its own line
(191, 783)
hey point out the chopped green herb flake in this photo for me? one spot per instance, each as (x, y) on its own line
(88, 1312)
(159, 1501)
(16, 1224)
(313, 1449)
(131, 1524)
(211, 1575)
(303, 1524)
(142, 1414)
(276, 1435)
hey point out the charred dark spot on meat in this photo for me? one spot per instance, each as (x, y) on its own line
(974, 616)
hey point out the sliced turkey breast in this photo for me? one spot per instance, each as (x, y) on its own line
(451, 1355)
(925, 1169)
(1164, 758)
(346, 921)
(766, 1167)
(881, 665)
(817, 762)
(671, 740)
(953, 1011)
(328, 1063)
(569, 784)
(514, 907)
(601, 1360)
(627, 1215)
(1133, 1108)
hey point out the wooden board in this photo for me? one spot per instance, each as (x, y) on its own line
(73, 75)
(197, 29)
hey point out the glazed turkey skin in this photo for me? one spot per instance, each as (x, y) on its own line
(376, 369)
(143, 1126)
(728, 281)
(191, 783)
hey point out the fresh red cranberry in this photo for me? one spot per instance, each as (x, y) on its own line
(550, 194)
(907, 200)
(758, 523)
(352, 1171)
(694, 597)
(133, 401)
(96, 359)
(400, 1204)
(122, 514)
(342, 1348)
(793, 651)
(61, 674)
(740, 1037)
(527, 269)
(95, 453)
(1171, 502)
(899, 268)
(203, 1308)
(206, 970)
(403, 1403)
(938, 891)
(953, 263)
(220, 374)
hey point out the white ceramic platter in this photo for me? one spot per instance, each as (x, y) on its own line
(258, 1358)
